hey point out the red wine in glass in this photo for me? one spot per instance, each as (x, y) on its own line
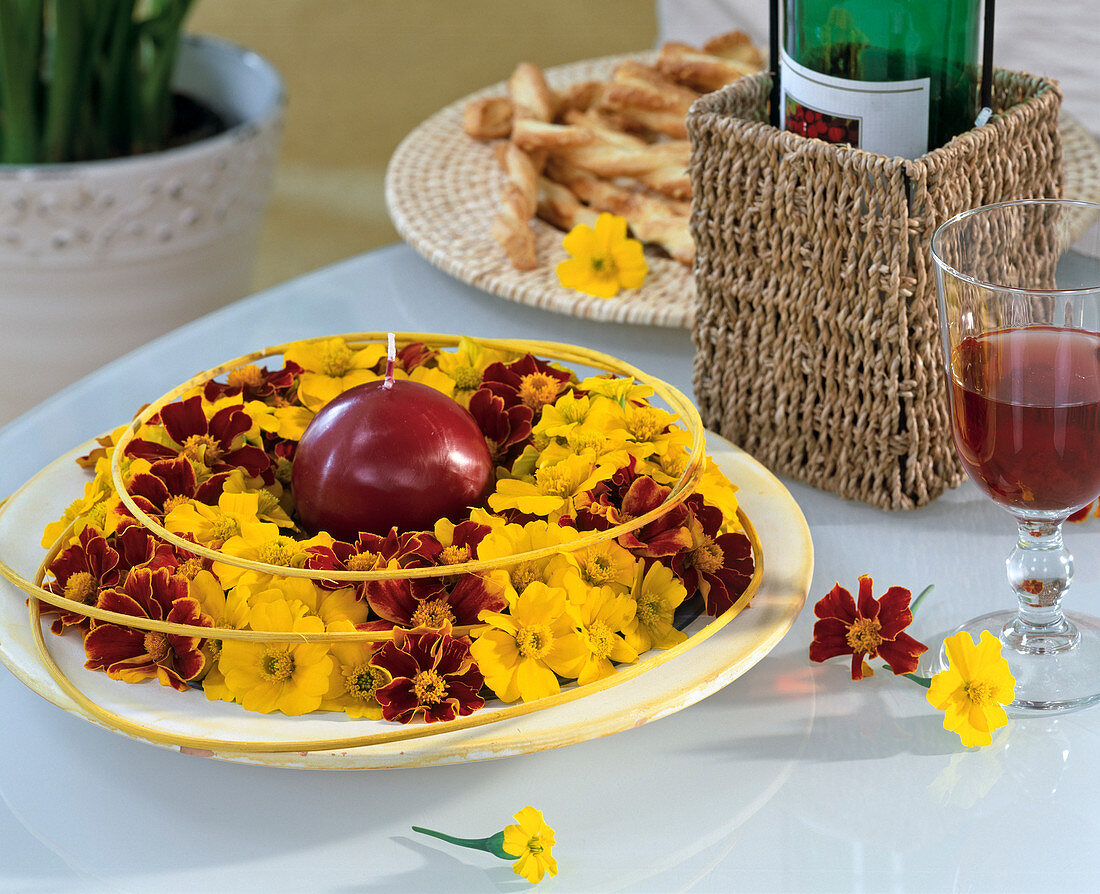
(1026, 415)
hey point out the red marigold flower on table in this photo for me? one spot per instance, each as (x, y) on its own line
(720, 566)
(132, 655)
(80, 571)
(873, 628)
(433, 673)
(216, 443)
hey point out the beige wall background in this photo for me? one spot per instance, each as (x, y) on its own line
(360, 74)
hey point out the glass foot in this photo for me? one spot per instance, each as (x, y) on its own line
(1056, 673)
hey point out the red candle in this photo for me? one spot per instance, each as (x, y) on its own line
(389, 454)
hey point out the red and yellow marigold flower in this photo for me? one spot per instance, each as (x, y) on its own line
(132, 655)
(434, 677)
(873, 628)
(720, 566)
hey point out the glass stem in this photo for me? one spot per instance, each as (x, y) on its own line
(1040, 570)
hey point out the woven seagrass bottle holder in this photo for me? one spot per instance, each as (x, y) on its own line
(816, 333)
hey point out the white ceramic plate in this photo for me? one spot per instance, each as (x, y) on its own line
(700, 670)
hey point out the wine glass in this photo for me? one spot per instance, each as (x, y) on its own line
(1019, 301)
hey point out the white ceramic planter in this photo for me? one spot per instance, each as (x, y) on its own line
(100, 257)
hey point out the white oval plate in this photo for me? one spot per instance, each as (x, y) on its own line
(685, 679)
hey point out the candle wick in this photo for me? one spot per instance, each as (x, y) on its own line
(391, 357)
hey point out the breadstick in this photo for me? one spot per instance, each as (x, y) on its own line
(531, 96)
(488, 118)
(560, 208)
(519, 201)
(531, 135)
(699, 70)
(736, 45)
(652, 219)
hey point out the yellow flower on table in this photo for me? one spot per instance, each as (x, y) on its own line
(604, 260)
(657, 594)
(278, 676)
(520, 654)
(973, 689)
(530, 840)
(332, 367)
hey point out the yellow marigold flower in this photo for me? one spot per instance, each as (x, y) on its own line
(531, 841)
(225, 609)
(354, 680)
(603, 259)
(602, 564)
(288, 677)
(657, 595)
(569, 411)
(720, 492)
(466, 365)
(521, 653)
(282, 422)
(653, 431)
(213, 525)
(600, 614)
(974, 687)
(551, 493)
(427, 375)
(264, 543)
(511, 540)
(331, 368)
(269, 508)
(616, 388)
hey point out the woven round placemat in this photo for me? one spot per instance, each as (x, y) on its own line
(443, 192)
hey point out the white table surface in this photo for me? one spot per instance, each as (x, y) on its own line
(792, 778)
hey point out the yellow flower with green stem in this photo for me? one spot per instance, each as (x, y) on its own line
(521, 653)
(657, 593)
(604, 260)
(974, 688)
(529, 842)
(291, 677)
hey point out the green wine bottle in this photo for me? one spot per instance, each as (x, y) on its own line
(896, 77)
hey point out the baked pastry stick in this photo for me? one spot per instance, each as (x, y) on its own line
(519, 201)
(532, 102)
(652, 218)
(643, 99)
(700, 70)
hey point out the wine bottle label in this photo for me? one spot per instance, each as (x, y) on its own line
(887, 117)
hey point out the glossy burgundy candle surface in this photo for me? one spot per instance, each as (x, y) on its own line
(376, 458)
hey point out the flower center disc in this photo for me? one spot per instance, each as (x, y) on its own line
(864, 637)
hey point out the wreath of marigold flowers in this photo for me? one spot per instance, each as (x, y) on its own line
(572, 456)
